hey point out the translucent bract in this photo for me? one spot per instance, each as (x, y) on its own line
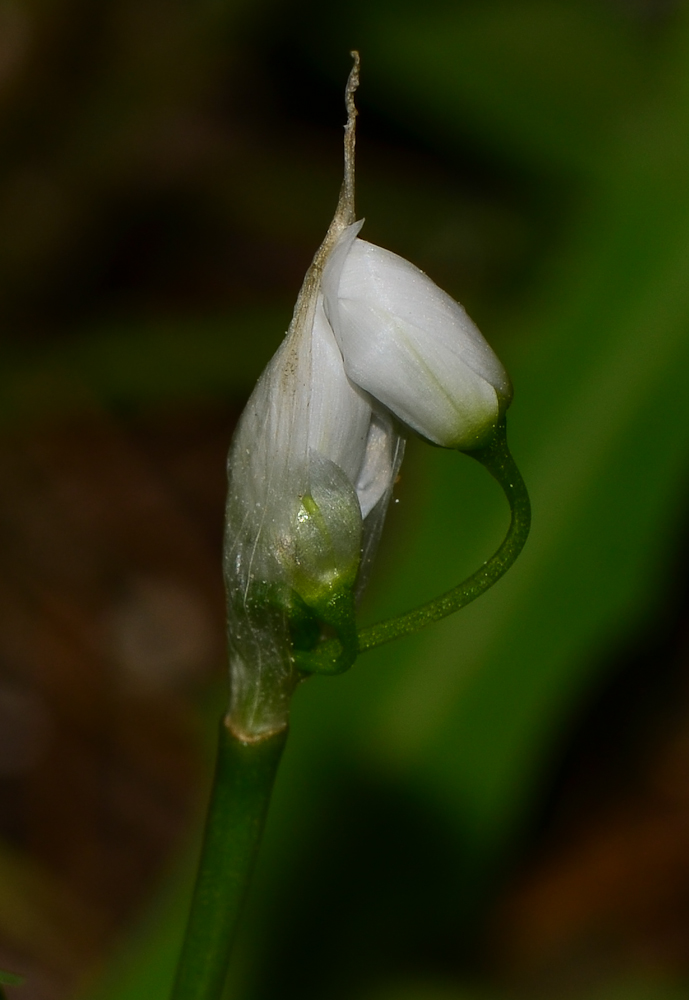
(311, 469)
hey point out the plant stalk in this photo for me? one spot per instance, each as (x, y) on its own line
(244, 777)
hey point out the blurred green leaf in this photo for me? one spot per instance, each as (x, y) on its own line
(540, 80)
(10, 979)
(144, 364)
(601, 427)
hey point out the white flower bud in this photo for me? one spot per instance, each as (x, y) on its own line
(411, 346)
(316, 451)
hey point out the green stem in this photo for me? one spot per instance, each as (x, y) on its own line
(243, 782)
(496, 458)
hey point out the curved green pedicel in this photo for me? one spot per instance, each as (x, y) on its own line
(329, 658)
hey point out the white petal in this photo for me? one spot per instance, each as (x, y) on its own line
(410, 345)
(338, 414)
(384, 454)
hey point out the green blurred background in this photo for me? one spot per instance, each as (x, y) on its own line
(498, 807)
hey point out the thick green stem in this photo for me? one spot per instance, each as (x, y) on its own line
(243, 782)
(496, 458)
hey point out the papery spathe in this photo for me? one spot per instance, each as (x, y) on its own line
(311, 468)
